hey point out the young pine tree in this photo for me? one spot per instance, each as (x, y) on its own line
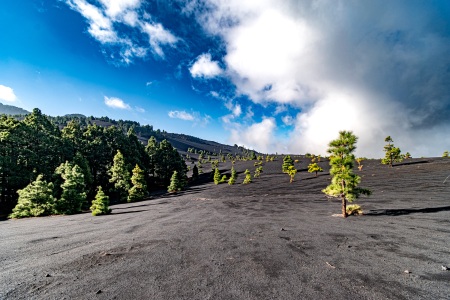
(120, 175)
(258, 172)
(216, 176)
(291, 172)
(100, 205)
(445, 154)
(344, 182)
(393, 154)
(287, 162)
(314, 168)
(248, 177)
(233, 176)
(35, 200)
(73, 189)
(139, 188)
(175, 184)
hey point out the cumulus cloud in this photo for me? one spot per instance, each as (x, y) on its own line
(378, 68)
(116, 103)
(259, 136)
(205, 67)
(7, 94)
(105, 18)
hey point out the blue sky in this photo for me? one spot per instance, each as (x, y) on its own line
(277, 76)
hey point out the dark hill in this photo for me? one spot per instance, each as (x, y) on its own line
(12, 110)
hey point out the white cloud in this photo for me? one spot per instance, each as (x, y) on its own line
(287, 120)
(204, 67)
(386, 76)
(7, 94)
(183, 115)
(116, 103)
(139, 109)
(106, 19)
(258, 136)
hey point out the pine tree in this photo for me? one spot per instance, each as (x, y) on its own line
(287, 162)
(393, 154)
(175, 184)
(233, 176)
(314, 168)
(139, 188)
(407, 155)
(445, 154)
(195, 173)
(359, 160)
(216, 176)
(100, 205)
(291, 172)
(120, 175)
(344, 182)
(35, 200)
(73, 189)
(258, 172)
(248, 177)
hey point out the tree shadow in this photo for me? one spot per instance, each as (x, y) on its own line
(403, 211)
(411, 163)
(127, 212)
(142, 205)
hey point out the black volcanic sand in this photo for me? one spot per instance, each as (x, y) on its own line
(266, 240)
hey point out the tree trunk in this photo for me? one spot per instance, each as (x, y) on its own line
(344, 206)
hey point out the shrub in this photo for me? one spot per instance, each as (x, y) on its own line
(233, 177)
(354, 209)
(248, 177)
(216, 176)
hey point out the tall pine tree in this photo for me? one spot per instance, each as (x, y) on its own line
(73, 189)
(139, 188)
(120, 175)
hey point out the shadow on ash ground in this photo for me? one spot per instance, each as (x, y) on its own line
(227, 242)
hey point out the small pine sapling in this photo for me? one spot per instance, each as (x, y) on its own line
(359, 160)
(393, 154)
(445, 154)
(291, 172)
(407, 155)
(216, 176)
(139, 188)
(287, 162)
(175, 184)
(223, 179)
(248, 177)
(258, 172)
(233, 176)
(100, 205)
(314, 168)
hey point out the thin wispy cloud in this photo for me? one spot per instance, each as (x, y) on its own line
(116, 103)
(7, 94)
(182, 115)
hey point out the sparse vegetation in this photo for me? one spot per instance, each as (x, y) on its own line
(216, 176)
(354, 209)
(393, 154)
(359, 160)
(287, 162)
(291, 172)
(233, 177)
(445, 154)
(248, 177)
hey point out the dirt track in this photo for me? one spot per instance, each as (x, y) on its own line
(266, 240)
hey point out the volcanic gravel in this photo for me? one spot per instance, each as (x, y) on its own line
(266, 240)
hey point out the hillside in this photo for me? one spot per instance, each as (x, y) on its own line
(12, 110)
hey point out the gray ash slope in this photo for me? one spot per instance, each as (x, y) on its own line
(266, 240)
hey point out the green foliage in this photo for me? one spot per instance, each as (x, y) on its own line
(216, 176)
(233, 176)
(287, 162)
(258, 172)
(120, 175)
(445, 154)
(314, 168)
(175, 183)
(354, 209)
(393, 154)
(359, 160)
(344, 183)
(139, 188)
(214, 164)
(407, 155)
(73, 189)
(35, 200)
(223, 179)
(248, 177)
(291, 171)
(100, 205)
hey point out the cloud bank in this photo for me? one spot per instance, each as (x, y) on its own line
(375, 67)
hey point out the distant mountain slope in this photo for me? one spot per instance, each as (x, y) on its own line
(12, 110)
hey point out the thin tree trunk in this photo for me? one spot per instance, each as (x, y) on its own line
(344, 201)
